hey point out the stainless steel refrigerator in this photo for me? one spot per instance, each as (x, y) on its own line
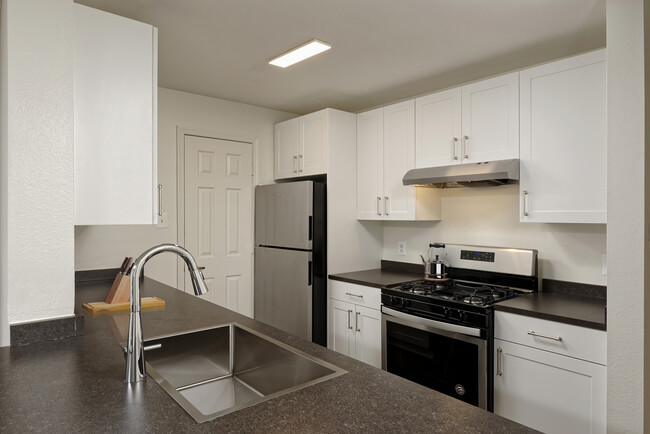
(290, 258)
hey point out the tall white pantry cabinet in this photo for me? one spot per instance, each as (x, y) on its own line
(115, 119)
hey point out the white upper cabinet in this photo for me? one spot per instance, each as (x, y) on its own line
(385, 152)
(471, 124)
(301, 145)
(564, 141)
(438, 129)
(115, 116)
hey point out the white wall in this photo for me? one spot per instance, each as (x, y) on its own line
(627, 212)
(37, 151)
(99, 247)
(4, 174)
(490, 217)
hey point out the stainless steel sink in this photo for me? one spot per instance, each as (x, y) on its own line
(216, 371)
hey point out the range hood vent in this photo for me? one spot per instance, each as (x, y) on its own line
(488, 174)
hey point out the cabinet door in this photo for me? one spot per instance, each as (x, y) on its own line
(547, 391)
(115, 115)
(437, 129)
(312, 148)
(370, 170)
(287, 137)
(342, 327)
(399, 158)
(491, 119)
(367, 326)
(564, 141)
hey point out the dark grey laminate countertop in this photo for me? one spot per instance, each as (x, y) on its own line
(569, 309)
(76, 385)
(376, 278)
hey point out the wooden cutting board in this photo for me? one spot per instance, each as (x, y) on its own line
(102, 306)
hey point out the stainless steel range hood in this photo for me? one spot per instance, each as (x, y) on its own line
(488, 174)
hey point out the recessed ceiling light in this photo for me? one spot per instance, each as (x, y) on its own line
(302, 52)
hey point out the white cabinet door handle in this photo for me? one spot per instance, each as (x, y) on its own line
(349, 322)
(386, 207)
(295, 160)
(301, 163)
(353, 295)
(455, 141)
(378, 205)
(499, 371)
(356, 322)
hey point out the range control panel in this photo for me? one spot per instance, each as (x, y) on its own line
(475, 255)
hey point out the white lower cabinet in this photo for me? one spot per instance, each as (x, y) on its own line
(355, 322)
(551, 391)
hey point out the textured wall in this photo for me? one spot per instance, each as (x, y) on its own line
(490, 217)
(105, 246)
(39, 259)
(627, 216)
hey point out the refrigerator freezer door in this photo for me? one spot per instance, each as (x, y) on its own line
(283, 290)
(283, 215)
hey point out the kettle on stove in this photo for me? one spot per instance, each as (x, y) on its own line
(434, 268)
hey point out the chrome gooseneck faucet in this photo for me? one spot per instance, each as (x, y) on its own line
(134, 351)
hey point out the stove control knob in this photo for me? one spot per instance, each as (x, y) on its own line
(446, 312)
(407, 303)
(395, 300)
(462, 316)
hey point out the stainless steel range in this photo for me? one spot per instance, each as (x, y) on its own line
(439, 333)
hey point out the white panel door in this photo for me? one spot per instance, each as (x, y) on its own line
(399, 158)
(287, 137)
(312, 150)
(370, 170)
(367, 324)
(491, 119)
(549, 392)
(342, 327)
(564, 141)
(438, 129)
(218, 218)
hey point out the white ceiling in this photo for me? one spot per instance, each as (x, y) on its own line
(382, 50)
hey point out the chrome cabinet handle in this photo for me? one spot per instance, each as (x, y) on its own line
(353, 295)
(160, 199)
(301, 163)
(553, 338)
(349, 325)
(499, 371)
(455, 148)
(295, 160)
(386, 209)
(378, 205)
(356, 322)
(525, 199)
(466, 139)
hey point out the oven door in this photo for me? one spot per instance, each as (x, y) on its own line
(449, 358)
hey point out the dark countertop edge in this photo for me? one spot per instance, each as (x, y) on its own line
(552, 317)
(376, 278)
(574, 288)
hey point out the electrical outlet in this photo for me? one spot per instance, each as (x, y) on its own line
(401, 248)
(162, 220)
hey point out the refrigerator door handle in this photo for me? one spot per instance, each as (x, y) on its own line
(309, 273)
(311, 227)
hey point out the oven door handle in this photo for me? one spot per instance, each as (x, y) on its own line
(471, 331)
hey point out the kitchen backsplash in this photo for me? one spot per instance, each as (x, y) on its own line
(490, 217)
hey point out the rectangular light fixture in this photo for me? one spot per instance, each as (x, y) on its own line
(300, 53)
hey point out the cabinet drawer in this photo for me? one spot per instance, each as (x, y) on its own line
(579, 342)
(357, 294)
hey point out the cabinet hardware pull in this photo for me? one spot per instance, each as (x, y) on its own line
(353, 295)
(295, 160)
(466, 138)
(160, 199)
(356, 322)
(499, 371)
(301, 163)
(378, 205)
(553, 338)
(455, 148)
(386, 208)
(525, 199)
(349, 325)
